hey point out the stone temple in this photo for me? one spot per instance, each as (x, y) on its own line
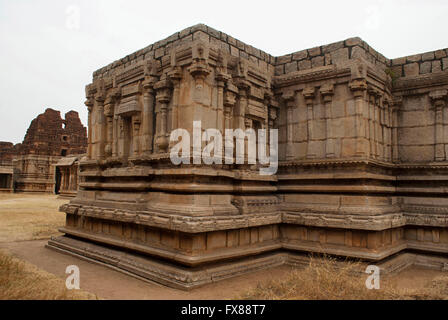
(362, 149)
(32, 166)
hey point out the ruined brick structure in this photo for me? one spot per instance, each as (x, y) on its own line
(48, 138)
(363, 168)
(51, 135)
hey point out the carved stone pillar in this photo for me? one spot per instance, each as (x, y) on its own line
(122, 150)
(308, 94)
(381, 143)
(229, 103)
(290, 101)
(136, 135)
(386, 130)
(371, 121)
(327, 92)
(359, 87)
(99, 127)
(378, 98)
(396, 105)
(438, 99)
(221, 80)
(115, 135)
(147, 117)
(89, 104)
(163, 97)
(175, 76)
(61, 187)
(109, 114)
(242, 105)
(272, 118)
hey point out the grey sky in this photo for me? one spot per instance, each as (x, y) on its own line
(48, 56)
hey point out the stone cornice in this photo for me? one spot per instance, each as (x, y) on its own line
(421, 82)
(316, 74)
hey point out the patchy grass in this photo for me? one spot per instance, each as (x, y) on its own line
(327, 279)
(20, 280)
(29, 216)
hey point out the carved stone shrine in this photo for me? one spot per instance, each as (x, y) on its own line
(362, 149)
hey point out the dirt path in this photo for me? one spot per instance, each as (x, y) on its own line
(110, 284)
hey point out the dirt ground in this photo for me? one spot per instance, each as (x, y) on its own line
(27, 221)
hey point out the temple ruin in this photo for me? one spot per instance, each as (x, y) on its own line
(48, 139)
(362, 149)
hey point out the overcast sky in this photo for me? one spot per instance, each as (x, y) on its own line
(49, 49)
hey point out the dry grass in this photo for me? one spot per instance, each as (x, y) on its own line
(20, 280)
(327, 279)
(29, 216)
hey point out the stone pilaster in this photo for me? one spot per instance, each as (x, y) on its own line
(289, 99)
(371, 123)
(136, 121)
(148, 116)
(229, 103)
(243, 88)
(109, 114)
(377, 122)
(327, 92)
(359, 87)
(175, 75)
(309, 94)
(89, 104)
(163, 97)
(99, 128)
(396, 105)
(221, 80)
(386, 130)
(438, 99)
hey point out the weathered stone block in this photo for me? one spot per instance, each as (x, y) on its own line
(440, 54)
(317, 61)
(339, 55)
(436, 66)
(399, 61)
(291, 67)
(428, 56)
(314, 51)
(300, 55)
(234, 51)
(416, 136)
(216, 239)
(414, 58)
(353, 42)
(279, 70)
(411, 69)
(306, 64)
(333, 47)
(416, 153)
(425, 67)
(444, 63)
(284, 59)
(348, 148)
